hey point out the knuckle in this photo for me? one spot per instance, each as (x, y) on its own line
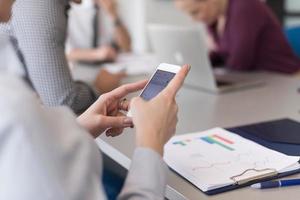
(100, 119)
(125, 88)
(176, 107)
(103, 96)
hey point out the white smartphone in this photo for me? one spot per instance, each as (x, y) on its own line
(158, 81)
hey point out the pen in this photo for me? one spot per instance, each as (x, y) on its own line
(274, 184)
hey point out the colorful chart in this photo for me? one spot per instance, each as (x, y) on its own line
(213, 139)
(218, 140)
(182, 143)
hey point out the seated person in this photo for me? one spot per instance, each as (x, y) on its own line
(244, 35)
(47, 154)
(96, 32)
(38, 31)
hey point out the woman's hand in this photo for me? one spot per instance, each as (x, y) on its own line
(156, 120)
(106, 114)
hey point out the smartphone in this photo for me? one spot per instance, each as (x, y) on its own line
(158, 81)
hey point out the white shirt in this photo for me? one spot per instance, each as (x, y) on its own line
(80, 26)
(9, 57)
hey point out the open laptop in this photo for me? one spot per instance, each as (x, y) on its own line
(186, 45)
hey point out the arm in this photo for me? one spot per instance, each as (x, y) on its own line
(40, 27)
(147, 176)
(121, 35)
(59, 160)
(244, 34)
(101, 54)
(85, 55)
(77, 169)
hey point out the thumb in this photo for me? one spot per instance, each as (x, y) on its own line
(117, 122)
(177, 82)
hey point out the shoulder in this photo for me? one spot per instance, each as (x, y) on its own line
(248, 14)
(32, 9)
(248, 8)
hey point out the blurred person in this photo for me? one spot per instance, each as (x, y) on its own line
(38, 31)
(47, 154)
(58, 156)
(243, 35)
(96, 32)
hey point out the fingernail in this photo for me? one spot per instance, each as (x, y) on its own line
(189, 67)
(127, 121)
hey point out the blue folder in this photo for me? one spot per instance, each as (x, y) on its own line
(289, 144)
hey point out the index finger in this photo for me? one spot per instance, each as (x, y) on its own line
(177, 82)
(128, 88)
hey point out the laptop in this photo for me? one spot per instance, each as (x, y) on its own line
(186, 45)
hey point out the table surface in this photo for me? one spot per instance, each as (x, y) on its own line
(199, 111)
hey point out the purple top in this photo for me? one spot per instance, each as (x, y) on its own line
(253, 40)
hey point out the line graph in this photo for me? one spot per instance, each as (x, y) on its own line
(248, 160)
(210, 159)
(210, 166)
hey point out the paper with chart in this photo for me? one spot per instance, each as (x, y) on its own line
(212, 159)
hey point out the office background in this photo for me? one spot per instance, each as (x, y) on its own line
(137, 14)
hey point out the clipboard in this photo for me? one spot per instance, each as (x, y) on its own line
(252, 176)
(288, 149)
(271, 176)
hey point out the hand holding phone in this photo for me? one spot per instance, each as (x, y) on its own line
(155, 120)
(158, 82)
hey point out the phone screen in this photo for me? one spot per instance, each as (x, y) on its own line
(159, 81)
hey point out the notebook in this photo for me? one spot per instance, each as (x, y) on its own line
(285, 131)
(217, 158)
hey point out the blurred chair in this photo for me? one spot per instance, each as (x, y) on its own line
(293, 36)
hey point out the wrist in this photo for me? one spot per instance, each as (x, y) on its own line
(114, 15)
(118, 22)
(150, 141)
(83, 122)
(153, 146)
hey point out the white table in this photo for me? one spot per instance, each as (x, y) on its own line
(278, 98)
